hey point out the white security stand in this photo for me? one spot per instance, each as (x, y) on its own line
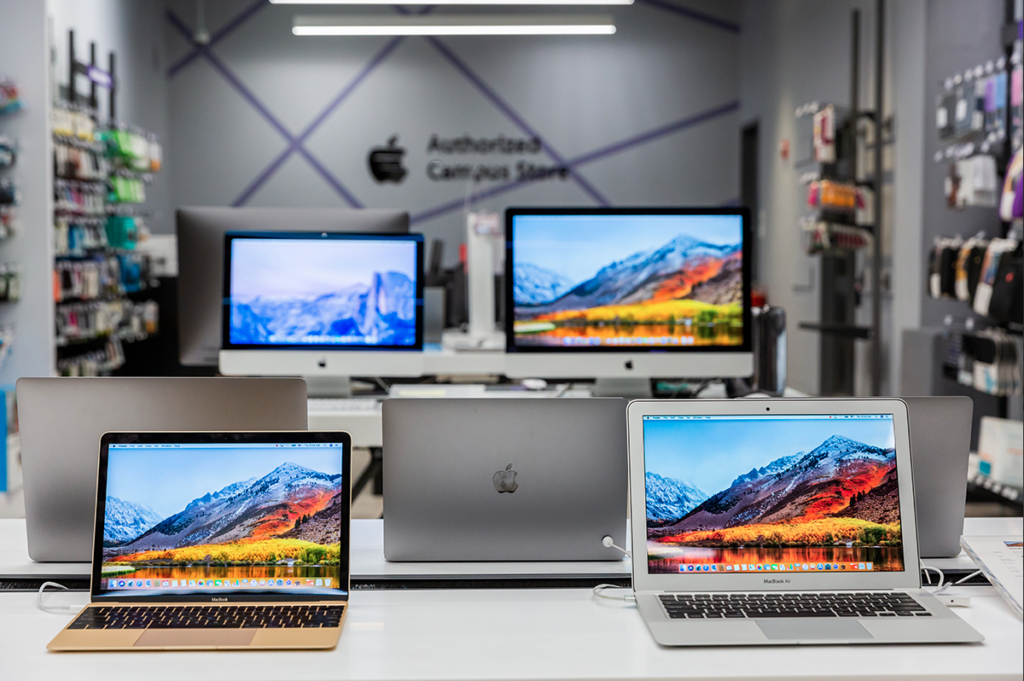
(483, 236)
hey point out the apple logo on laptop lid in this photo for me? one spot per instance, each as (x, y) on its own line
(505, 481)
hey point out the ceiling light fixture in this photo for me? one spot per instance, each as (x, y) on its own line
(389, 25)
(453, 2)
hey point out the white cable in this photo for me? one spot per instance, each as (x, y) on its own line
(61, 609)
(599, 590)
(959, 581)
(928, 569)
(609, 543)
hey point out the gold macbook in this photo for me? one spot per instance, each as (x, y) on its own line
(209, 541)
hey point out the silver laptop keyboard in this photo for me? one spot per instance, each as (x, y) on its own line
(762, 605)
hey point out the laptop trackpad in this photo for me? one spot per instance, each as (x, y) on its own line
(813, 629)
(194, 638)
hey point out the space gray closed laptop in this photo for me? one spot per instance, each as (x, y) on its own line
(62, 419)
(940, 445)
(778, 522)
(504, 479)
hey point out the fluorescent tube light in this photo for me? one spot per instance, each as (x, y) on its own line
(453, 2)
(378, 25)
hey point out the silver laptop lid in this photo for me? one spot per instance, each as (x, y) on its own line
(940, 445)
(756, 495)
(222, 517)
(62, 419)
(504, 479)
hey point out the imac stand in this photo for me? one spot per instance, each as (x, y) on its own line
(328, 386)
(630, 388)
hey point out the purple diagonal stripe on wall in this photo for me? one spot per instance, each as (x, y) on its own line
(504, 107)
(655, 133)
(229, 27)
(693, 14)
(583, 159)
(265, 112)
(297, 145)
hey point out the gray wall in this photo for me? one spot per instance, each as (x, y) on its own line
(665, 88)
(133, 30)
(23, 57)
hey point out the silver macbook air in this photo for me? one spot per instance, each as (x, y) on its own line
(62, 419)
(504, 479)
(774, 522)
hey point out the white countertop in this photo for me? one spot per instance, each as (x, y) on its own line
(504, 634)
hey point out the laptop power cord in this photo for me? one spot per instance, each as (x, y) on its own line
(58, 609)
(609, 543)
(600, 589)
(953, 601)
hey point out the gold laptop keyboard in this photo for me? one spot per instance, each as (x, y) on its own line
(210, 617)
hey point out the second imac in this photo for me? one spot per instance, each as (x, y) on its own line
(625, 295)
(322, 304)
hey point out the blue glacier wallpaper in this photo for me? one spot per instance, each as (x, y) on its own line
(329, 293)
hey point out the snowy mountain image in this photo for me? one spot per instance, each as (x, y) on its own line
(669, 499)
(260, 508)
(538, 285)
(672, 271)
(841, 490)
(381, 312)
(124, 520)
(685, 291)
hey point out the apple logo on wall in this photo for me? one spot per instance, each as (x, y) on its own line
(505, 481)
(386, 162)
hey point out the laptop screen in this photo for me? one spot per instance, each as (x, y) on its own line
(186, 518)
(804, 493)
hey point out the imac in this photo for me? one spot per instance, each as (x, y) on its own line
(626, 294)
(322, 304)
(200, 258)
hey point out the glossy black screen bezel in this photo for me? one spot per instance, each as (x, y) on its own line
(746, 248)
(229, 596)
(225, 317)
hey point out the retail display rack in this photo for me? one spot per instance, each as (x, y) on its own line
(843, 188)
(101, 169)
(978, 122)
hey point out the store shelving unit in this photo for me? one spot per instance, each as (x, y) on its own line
(100, 171)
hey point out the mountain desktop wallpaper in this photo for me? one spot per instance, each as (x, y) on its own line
(186, 518)
(780, 492)
(611, 281)
(332, 292)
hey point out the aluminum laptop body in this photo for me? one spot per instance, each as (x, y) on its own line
(62, 419)
(504, 479)
(773, 522)
(940, 445)
(217, 541)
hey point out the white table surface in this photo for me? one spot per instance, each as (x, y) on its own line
(520, 634)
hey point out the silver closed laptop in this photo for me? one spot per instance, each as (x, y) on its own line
(940, 445)
(62, 419)
(504, 479)
(773, 522)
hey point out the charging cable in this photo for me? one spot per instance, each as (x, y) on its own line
(959, 601)
(599, 592)
(609, 543)
(58, 609)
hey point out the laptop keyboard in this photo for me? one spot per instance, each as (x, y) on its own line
(210, 617)
(865, 604)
